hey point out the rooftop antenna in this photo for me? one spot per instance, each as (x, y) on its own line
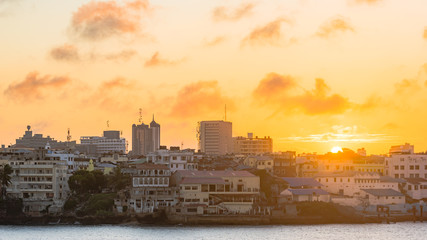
(225, 110)
(108, 123)
(182, 145)
(68, 135)
(140, 116)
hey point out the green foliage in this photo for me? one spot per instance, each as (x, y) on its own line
(84, 181)
(99, 202)
(118, 180)
(70, 204)
(5, 179)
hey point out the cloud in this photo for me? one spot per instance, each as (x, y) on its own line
(35, 87)
(339, 133)
(123, 55)
(367, 1)
(199, 99)
(334, 26)
(282, 92)
(425, 33)
(156, 60)
(101, 20)
(267, 34)
(215, 41)
(223, 14)
(65, 52)
(111, 94)
(407, 86)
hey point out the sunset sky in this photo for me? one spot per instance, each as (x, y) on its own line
(311, 74)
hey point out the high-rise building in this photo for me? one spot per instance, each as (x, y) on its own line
(145, 138)
(215, 137)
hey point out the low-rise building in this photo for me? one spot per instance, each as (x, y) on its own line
(174, 158)
(150, 190)
(416, 188)
(216, 192)
(383, 196)
(251, 145)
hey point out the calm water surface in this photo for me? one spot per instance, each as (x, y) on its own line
(330, 232)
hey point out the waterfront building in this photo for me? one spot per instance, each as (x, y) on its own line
(216, 192)
(215, 137)
(145, 138)
(303, 189)
(40, 181)
(114, 158)
(383, 196)
(284, 164)
(111, 142)
(36, 141)
(150, 190)
(416, 188)
(350, 183)
(260, 162)
(251, 145)
(174, 158)
(402, 149)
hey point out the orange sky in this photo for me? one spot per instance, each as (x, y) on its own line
(311, 74)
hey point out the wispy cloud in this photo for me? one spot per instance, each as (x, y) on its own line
(222, 13)
(366, 1)
(199, 99)
(66, 52)
(157, 60)
(100, 20)
(36, 87)
(269, 34)
(333, 27)
(214, 42)
(340, 133)
(425, 33)
(284, 93)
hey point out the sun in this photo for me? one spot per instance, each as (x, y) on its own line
(336, 149)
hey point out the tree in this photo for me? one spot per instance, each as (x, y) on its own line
(5, 179)
(119, 180)
(84, 181)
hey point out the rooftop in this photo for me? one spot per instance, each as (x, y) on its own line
(193, 173)
(202, 180)
(307, 191)
(295, 182)
(383, 192)
(415, 181)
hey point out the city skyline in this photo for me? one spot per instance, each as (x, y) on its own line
(311, 76)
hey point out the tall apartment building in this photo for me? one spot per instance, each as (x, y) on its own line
(40, 181)
(252, 146)
(215, 137)
(145, 138)
(109, 143)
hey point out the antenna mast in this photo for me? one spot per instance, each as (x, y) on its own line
(68, 135)
(108, 123)
(140, 116)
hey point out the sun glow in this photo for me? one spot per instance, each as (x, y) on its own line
(336, 149)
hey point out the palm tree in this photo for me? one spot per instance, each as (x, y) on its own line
(5, 179)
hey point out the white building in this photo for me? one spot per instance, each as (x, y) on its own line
(216, 192)
(215, 137)
(109, 143)
(406, 166)
(42, 184)
(351, 183)
(175, 159)
(383, 196)
(416, 188)
(251, 145)
(63, 156)
(150, 190)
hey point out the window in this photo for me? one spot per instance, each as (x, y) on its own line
(396, 175)
(409, 187)
(187, 188)
(416, 187)
(417, 167)
(402, 167)
(402, 175)
(396, 167)
(411, 167)
(335, 179)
